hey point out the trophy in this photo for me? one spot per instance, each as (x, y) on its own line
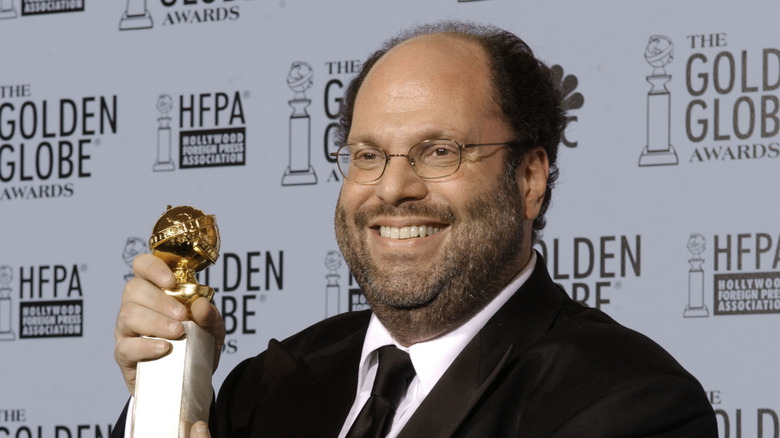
(173, 392)
(133, 247)
(164, 160)
(136, 16)
(332, 290)
(659, 150)
(7, 9)
(299, 170)
(6, 276)
(696, 307)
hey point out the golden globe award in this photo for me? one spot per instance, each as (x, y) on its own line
(173, 392)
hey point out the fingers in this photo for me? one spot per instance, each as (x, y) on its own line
(200, 430)
(207, 316)
(146, 311)
(154, 270)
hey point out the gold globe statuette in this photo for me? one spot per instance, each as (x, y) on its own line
(174, 391)
(188, 241)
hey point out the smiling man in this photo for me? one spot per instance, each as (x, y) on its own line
(449, 137)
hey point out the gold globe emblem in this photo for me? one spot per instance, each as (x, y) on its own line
(188, 241)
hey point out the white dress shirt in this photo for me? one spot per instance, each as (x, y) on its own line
(430, 359)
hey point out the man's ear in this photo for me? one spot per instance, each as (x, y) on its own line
(532, 180)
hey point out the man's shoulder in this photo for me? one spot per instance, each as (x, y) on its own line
(313, 350)
(592, 355)
(328, 333)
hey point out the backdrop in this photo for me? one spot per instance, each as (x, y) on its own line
(666, 214)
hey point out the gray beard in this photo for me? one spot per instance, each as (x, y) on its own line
(478, 261)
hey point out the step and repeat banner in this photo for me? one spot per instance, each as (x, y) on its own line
(665, 217)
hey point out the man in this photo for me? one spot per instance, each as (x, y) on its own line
(451, 133)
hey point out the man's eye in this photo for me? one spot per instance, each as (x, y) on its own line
(367, 155)
(441, 151)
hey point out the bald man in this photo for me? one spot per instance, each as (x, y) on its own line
(449, 139)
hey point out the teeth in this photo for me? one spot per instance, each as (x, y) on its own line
(408, 232)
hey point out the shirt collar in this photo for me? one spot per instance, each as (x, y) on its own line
(432, 358)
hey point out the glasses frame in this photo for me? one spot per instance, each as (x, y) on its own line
(461, 148)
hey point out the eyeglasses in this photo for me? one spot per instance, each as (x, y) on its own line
(430, 159)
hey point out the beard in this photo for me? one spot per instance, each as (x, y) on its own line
(423, 300)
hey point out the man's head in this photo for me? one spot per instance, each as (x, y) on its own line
(524, 89)
(434, 83)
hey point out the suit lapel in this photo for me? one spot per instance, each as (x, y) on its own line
(329, 383)
(527, 315)
(453, 396)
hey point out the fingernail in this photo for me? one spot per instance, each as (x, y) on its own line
(163, 347)
(173, 328)
(179, 312)
(201, 430)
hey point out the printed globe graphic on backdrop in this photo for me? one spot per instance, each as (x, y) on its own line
(696, 244)
(164, 104)
(6, 275)
(133, 247)
(659, 51)
(301, 77)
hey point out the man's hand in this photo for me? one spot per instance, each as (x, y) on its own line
(148, 311)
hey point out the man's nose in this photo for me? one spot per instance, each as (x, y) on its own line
(399, 183)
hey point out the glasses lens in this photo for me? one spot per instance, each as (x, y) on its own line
(361, 163)
(435, 158)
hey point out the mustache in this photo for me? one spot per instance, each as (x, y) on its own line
(439, 213)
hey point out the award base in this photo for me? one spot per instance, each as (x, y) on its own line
(696, 312)
(299, 177)
(163, 166)
(173, 392)
(130, 22)
(7, 336)
(666, 157)
(11, 13)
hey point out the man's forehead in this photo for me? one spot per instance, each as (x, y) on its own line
(442, 46)
(442, 63)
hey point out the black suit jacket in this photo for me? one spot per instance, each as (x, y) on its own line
(543, 366)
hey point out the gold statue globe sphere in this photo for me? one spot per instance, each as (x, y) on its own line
(188, 241)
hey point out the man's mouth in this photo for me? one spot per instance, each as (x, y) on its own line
(408, 232)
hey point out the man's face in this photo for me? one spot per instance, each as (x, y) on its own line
(431, 87)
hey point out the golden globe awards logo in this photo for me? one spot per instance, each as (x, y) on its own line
(305, 142)
(211, 131)
(734, 110)
(744, 277)
(46, 145)
(731, 111)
